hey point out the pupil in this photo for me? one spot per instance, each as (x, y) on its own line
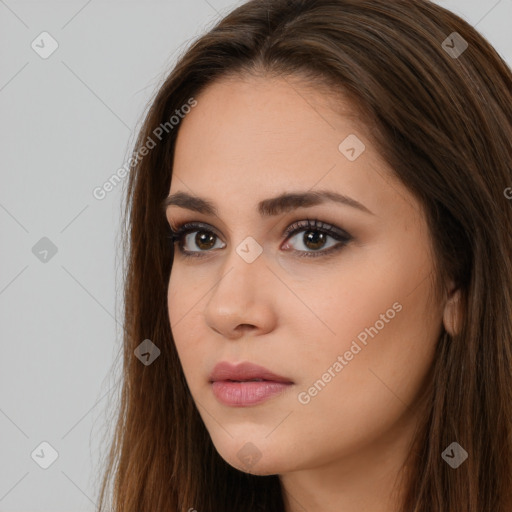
(315, 237)
(203, 238)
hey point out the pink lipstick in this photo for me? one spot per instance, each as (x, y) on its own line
(245, 384)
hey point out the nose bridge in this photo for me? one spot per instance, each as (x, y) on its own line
(240, 296)
(244, 268)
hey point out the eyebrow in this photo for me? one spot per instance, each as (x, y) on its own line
(268, 207)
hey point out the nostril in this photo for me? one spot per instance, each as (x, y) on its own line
(245, 327)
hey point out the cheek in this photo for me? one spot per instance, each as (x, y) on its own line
(382, 327)
(183, 313)
(375, 387)
(174, 291)
(184, 293)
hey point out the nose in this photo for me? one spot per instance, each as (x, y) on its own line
(242, 300)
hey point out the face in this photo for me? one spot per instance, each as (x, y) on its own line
(336, 306)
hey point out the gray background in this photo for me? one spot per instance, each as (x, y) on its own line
(67, 123)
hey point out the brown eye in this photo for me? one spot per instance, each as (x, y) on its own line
(315, 237)
(204, 240)
(190, 234)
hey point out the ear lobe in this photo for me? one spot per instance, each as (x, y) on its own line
(452, 316)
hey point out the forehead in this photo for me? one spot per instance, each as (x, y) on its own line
(264, 114)
(267, 127)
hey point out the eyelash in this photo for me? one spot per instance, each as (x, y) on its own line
(179, 231)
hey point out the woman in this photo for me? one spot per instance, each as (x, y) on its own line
(319, 280)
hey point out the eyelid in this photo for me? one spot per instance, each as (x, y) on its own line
(314, 224)
(180, 227)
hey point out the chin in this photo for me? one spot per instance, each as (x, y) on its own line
(258, 469)
(249, 457)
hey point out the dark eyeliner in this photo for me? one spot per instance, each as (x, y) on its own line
(177, 233)
(314, 225)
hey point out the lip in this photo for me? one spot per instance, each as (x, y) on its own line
(232, 384)
(243, 372)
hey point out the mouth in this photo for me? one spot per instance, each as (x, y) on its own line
(246, 384)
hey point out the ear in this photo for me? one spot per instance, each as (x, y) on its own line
(452, 316)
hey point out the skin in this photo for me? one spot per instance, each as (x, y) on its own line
(250, 139)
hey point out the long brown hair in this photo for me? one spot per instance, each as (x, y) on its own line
(440, 114)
